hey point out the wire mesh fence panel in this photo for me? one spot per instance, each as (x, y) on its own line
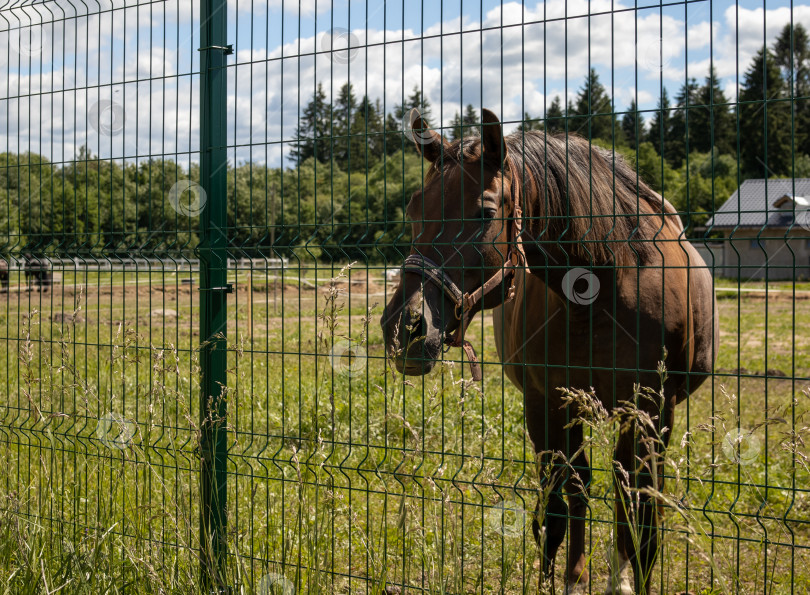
(99, 305)
(405, 297)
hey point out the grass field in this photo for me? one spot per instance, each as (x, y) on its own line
(345, 477)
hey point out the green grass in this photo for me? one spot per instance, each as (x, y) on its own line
(789, 286)
(345, 483)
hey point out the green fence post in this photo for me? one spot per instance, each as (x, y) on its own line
(213, 290)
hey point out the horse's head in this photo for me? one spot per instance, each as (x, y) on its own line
(460, 240)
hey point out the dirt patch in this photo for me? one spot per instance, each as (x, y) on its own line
(358, 287)
(286, 288)
(770, 373)
(66, 317)
(145, 290)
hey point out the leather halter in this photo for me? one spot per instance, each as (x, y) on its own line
(465, 302)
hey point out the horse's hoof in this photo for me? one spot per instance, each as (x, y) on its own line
(622, 587)
(620, 583)
(578, 589)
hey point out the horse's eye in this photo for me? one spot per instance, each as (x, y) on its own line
(490, 213)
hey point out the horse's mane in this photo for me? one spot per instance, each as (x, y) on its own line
(576, 193)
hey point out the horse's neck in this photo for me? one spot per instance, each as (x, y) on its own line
(552, 256)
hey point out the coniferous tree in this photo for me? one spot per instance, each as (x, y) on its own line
(633, 125)
(376, 124)
(455, 127)
(312, 134)
(792, 54)
(343, 113)
(592, 115)
(711, 124)
(415, 100)
(661, 123)
(555, 118)
(396, 124)
(465, 124)
(681, 129)
(470, 119)
(764, 120)
(395, 140)
(530, 123)
(419, 100)
(365, 136)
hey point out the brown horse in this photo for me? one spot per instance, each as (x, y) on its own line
(592, 284)
(37, 273)
(4, 275)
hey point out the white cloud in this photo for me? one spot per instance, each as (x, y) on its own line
(523, 59)
(745, 32)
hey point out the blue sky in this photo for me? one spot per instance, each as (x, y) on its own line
(138, 62)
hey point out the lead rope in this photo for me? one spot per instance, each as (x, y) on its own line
(515, 257)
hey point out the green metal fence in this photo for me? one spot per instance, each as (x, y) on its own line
(204, 213)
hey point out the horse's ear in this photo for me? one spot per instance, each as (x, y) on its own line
(428, 142)
(492, 137)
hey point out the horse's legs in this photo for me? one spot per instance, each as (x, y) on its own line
(554, 518)
(545, 426)
(572, 474)
(637, 537)
(578, 488)
(619, 582)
